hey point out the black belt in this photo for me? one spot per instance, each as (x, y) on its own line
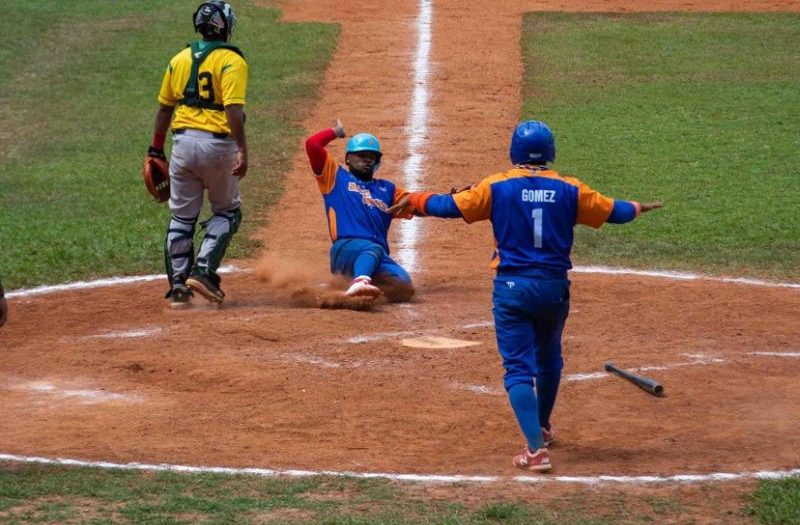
(216, 135)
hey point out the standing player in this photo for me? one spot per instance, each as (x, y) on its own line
(207, 82)
(533, 212)
(355, 205)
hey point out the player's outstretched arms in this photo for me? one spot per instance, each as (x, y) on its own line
(424, 203)
(650, 206)
(410, 204)
(315, 145)
(626, 211)
(401, 207)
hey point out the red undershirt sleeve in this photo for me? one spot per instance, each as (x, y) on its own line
(315, 149)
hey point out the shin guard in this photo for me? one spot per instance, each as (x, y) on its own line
(179, 249)
(220, 228)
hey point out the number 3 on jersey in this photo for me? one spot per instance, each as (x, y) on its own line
(205, 86)
(537, 215)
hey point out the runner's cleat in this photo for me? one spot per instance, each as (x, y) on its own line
(363, 287)
(538, 461)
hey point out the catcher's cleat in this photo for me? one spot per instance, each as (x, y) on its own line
(180, 296)
(538, 461)
(548, 436)
(205, 286)
(363, 287)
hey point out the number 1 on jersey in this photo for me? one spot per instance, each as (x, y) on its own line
(537, 227)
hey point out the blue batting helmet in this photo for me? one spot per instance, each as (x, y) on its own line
(532, 143)
(364, 142)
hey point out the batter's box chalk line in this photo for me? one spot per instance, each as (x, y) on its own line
(416, 478)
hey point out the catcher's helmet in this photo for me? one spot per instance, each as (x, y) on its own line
(215, 20)
(532, 143)
(364, 142)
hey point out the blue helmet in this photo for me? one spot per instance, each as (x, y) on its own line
(364, 142)
(532, 143)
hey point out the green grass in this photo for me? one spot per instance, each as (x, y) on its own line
(777, 502)
(77, 100)
(701, 111)
(39, 494)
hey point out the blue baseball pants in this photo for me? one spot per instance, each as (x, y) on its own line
(529, 317)
(354, 257)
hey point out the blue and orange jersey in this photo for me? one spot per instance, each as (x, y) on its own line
(533, 211)
(354, 208)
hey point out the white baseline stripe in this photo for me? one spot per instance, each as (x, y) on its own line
(417, 126)
(421, 478)
(100, 283)
(683, 276)
(678, 478)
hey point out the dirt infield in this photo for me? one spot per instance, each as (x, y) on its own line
(267, 382)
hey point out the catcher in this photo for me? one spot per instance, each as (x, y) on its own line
(202, 98)
(355, 205)
(533, 211)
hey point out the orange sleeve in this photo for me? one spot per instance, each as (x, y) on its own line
(475, 203)
(399, 193)
(327, 178)
(594, 208)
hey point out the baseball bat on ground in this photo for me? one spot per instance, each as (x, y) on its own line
(645, 383)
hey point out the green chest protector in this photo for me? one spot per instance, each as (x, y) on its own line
(191, 93)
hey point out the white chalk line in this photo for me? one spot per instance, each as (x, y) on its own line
(677, 478)
(482, 324)
(127, 334)
(683, 276)
(695, 359)
(379, 336)
(417, 126)
(382, 336)
(85, 396)
(101, 283)
(417, 478)
(680, 276)
(776, 354)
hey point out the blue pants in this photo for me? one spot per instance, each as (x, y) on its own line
(354, 257)
(529, 318)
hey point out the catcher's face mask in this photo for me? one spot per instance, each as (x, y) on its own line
(215, 20)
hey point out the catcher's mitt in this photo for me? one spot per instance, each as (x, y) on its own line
(156, 177)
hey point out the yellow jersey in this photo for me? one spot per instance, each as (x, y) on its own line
(222, 79)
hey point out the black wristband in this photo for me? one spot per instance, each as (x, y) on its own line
(158, 153)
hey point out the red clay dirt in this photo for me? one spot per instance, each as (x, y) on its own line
(270, 381)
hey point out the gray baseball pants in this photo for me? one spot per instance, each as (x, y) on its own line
(200, 162)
